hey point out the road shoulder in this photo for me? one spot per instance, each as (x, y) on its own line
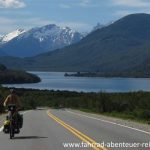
(128, 123)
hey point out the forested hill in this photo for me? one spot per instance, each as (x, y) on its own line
(8, 76)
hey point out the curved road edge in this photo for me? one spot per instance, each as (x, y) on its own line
(144, 128)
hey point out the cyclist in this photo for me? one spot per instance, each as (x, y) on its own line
(12, 99)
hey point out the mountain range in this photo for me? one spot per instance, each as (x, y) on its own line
(120, 49)
(21, 43)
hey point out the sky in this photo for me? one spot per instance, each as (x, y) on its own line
(79, 15)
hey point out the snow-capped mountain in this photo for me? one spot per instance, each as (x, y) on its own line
(54, 33)
(40, 40)
(12, 35)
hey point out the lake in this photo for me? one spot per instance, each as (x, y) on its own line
(57, 81)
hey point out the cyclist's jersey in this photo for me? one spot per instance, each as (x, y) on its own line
(12, 99)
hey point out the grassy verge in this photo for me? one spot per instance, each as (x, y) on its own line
(119, 116)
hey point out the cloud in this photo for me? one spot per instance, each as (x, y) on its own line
(131, 3)
(87, 4)
(122, 13)
(12, 4)
(78, 26)
(9, 24)
(84, 3)
(78, 3)
(65, 6)
(4, 20)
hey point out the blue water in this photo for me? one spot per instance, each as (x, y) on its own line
(57, 81)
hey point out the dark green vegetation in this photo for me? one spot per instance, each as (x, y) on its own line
(8, 76)
(120, 49)
(134, 105)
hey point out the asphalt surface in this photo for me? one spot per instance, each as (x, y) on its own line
(44, 130)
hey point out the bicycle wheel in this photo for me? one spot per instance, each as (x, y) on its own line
(11, 128)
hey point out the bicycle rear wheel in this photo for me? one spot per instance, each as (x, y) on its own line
(11, 129)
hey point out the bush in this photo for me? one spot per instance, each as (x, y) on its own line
(142, 113)
(2, 67)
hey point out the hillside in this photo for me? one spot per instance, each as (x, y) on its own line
(120, 49)
(2, 54)
(8, 76)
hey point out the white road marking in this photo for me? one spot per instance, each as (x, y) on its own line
(109, 122)
(25, 112)
(1, 129)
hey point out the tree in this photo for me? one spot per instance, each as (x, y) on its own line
(1, 104)
(2, 67)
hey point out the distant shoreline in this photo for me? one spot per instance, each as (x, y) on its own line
(105, 75)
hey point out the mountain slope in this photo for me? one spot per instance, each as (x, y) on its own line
(40, 40)
(2, 53)
(12, 35)
(120, 48)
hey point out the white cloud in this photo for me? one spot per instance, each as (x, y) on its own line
(65, 6)
(132, 3)
(85, 3)
(122, 13)
(78, 3)
(12, 4)
(9, 24)
(4, 20)
(78, 26)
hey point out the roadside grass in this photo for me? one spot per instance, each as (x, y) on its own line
(117, 115)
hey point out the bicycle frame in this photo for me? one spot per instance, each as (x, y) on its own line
(12, 110)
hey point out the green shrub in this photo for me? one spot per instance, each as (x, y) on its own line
(142, 113)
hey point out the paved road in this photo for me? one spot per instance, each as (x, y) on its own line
(50, 130)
